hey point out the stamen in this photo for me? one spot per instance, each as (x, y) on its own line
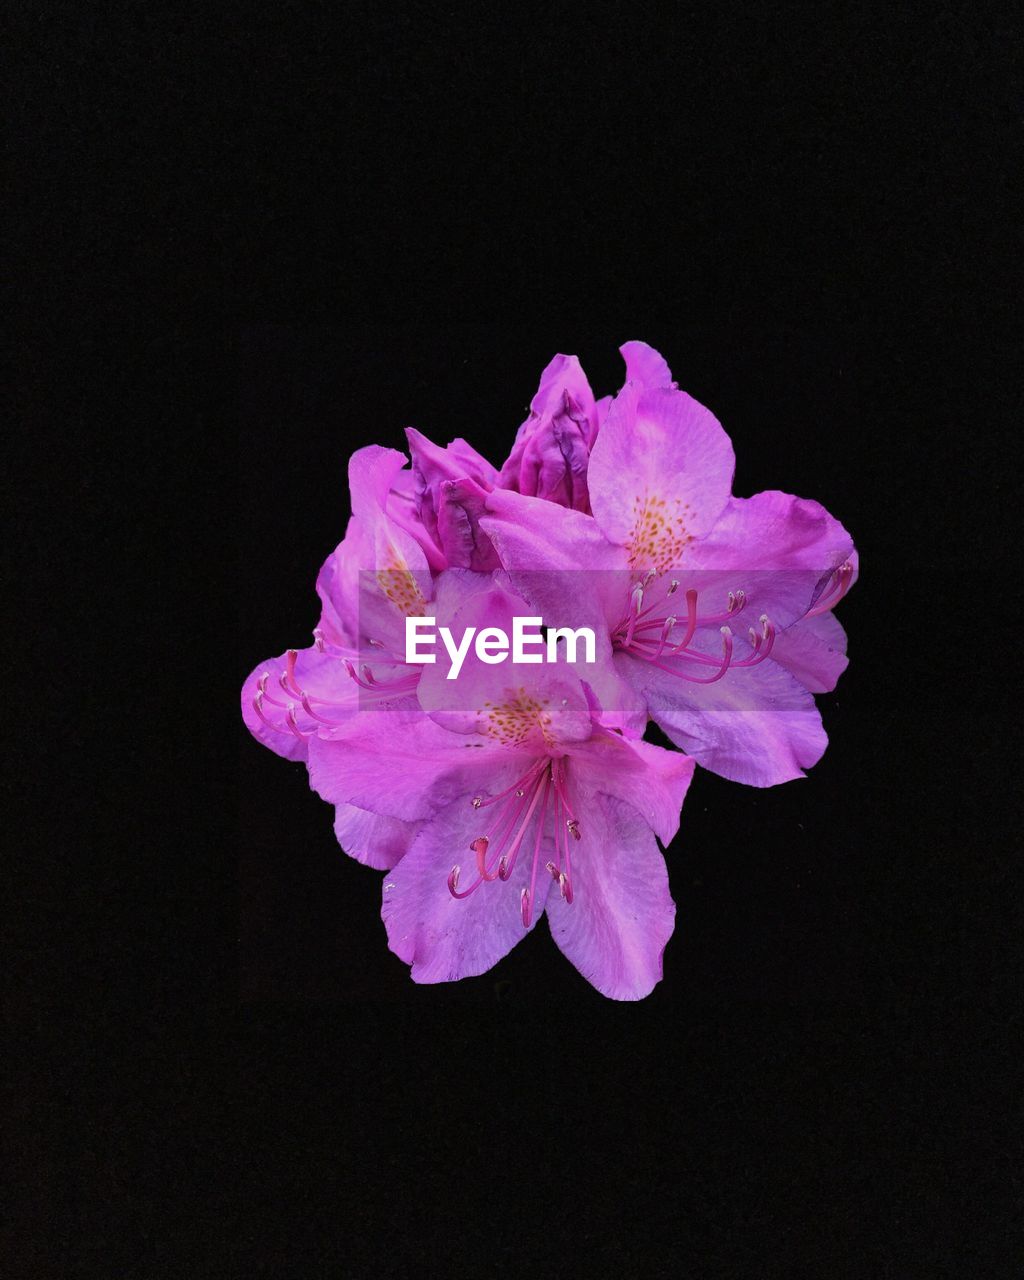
(834, 592)
(288, 681)
(666, 631)
(290, 717)
(257, 706)
(691, 619)
(316, 715)
(318, 639)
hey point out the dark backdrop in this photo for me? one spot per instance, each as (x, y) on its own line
(325, 222)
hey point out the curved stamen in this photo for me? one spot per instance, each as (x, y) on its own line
(261, 690)
(636, 601)
(834, 592)
(315, 715)
(290, 717)
(257, 706)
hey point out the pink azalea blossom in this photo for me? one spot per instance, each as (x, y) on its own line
(510, 793)
(525, 805)
(689, 587)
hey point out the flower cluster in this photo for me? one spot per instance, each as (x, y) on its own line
(516, 792)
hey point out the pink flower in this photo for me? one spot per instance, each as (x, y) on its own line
(690, 588)
(508, 793)
(531, 807)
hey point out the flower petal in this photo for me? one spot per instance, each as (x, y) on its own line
(622, 914)
(646, 366)
(814, 651)
(756, 725)
(445, 938)
(660, 474)
(649, 778)
(371, 839)
(399, 763)
(535, 705)
(780, 549)
(549, 457)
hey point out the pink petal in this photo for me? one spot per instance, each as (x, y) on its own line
(649, 778)
(814, 651)
(622, 914)
(757, 725)
(660, 474)
(371, 839)
(646, 366)
(444, 938)
(401, 764)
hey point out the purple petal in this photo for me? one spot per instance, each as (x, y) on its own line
(444, 938)
(814, 651)
(622, 914)
(401, 764)
(371, 839)
(660, 474)
(646, 366)
(650, 779)
(757, 725)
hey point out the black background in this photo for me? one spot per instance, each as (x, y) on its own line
(289, 234)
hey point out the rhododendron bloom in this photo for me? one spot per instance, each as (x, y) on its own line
(692, 586)
(525, 805)
(502, 775)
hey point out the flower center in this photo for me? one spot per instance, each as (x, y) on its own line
(520, 817)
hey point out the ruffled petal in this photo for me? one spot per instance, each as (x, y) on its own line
(660, 474)
(645, 366)
(782, 550)
(444, 938)
(649, 778)
(814, 651)
(622, 914)
(756, 725)
(373, 840)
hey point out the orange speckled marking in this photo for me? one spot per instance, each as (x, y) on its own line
(659, 532)
(511, 722)
(400, 587)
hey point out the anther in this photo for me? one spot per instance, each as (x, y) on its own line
(574, 829)
(477, 801)
(525, 906)
(318, 639)
(673, 587)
